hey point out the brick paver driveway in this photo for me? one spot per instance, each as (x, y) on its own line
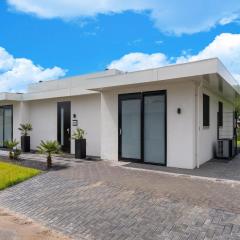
(94, 200)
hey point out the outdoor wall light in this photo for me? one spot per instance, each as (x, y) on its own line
(179, 110)
(74, 115)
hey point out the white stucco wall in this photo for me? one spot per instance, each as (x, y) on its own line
(43, 117)
(87, 109)
(180, 128)
(208, 135)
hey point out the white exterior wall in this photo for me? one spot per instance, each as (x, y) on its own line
(43, 117)
(180, 127)
(208, 135)
(87, 109)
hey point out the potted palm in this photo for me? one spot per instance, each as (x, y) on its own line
(80, 143)
(49, 148)
(25, 138)
(11, 145)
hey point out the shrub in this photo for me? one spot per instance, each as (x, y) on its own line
(49, 148)
(25, 128)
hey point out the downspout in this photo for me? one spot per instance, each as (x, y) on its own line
(198, 127)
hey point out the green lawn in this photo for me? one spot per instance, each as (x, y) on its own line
(11, 174)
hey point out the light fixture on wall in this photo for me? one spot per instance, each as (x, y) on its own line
(179, 110)
(74, 115)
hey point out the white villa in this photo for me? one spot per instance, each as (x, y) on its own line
(171, 116)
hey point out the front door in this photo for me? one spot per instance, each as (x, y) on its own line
(142, 127)
(64, 125)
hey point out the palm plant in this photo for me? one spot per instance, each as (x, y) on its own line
(78, 134)
(11, 145)
(49, 148)
(25, 128)
(80, 143)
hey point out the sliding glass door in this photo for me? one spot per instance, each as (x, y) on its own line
(6, 124)
(142, 127)
(154, 128)
(130, 119)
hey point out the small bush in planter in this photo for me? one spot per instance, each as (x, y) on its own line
(25, 138)
(80, 143)
(49, 148)
(14, 152)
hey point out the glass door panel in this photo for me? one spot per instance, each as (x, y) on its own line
(7, 124)
(131, 129)
(1, 127)
(154, 128)
(64, 125)
(142, 127)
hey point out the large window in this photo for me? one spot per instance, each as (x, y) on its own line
(206, 111)
(6, 124)
(142, 127)
(220, 114)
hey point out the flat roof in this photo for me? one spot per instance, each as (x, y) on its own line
(97, 82)
(170, 72)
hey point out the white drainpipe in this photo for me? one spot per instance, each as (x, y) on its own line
(198, 127)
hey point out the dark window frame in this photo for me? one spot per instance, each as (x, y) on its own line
(220, 114)
(206, 111)
(4, 107)
(140, 95)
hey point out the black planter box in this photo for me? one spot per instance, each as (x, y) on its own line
(80, 148)
(25, 143)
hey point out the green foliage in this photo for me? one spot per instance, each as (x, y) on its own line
(11, 145)
(16, 153)
(25, 128)
(49, 148)
(237, 106)
(78, 134)
(11, 174)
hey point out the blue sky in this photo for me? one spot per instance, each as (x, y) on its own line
(42, 40)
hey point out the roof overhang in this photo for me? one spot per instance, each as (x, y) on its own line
(11, 96)
(175, 72)
(211, 71)
(56, 94)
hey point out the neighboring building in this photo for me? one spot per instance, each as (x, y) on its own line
(166, 115)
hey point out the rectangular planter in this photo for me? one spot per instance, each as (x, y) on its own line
(25, 143)
(80, 148)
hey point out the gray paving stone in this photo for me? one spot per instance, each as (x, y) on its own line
(94, 200)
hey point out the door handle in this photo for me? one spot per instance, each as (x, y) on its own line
(68, 130)
(120, 131)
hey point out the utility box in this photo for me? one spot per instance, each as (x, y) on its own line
(225, 148)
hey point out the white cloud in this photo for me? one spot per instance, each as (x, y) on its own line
(139, 61)
(177, 17)
(225, 46)
(16, 73)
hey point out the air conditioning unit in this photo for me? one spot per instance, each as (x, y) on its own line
(225, 148)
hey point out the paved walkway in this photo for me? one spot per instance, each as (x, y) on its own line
(216, 168)
(96, 200)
